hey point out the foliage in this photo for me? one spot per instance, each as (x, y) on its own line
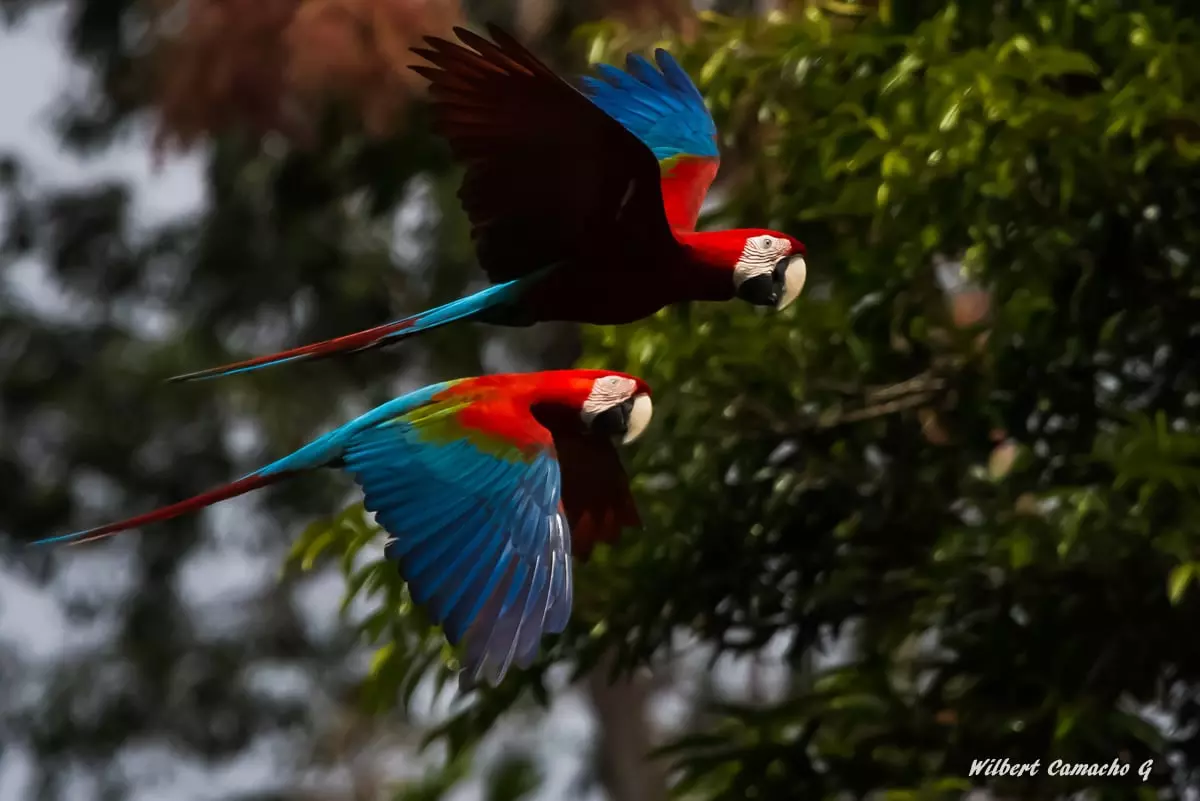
(994, 514)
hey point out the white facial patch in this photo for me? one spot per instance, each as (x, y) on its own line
(759, 257)
(606, 393)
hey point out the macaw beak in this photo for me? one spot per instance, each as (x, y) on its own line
(639, 418)
(794, 276)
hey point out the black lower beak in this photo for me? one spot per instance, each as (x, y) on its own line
(761, 290)
(613, 422)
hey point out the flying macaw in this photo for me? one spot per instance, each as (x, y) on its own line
(583, 204)
(485, 486)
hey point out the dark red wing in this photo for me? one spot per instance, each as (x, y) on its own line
(595, 491)
(550, 177)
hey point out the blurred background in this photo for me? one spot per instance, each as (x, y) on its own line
(945, 508)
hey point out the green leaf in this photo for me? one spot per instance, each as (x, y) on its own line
(381, 657)
(1178, 580)
(1053, 60)
(1021, 551)
(950, 117)
(316, 547)
(715, 62)
(355, 546)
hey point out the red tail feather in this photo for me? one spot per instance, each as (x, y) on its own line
(349, 343)
(239, 487)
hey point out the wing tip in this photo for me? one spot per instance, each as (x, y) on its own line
(635, 57)
(503, 39)
(663, 56)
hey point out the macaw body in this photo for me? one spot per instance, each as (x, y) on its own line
(486, 486)
(595, 298)
(583, 202)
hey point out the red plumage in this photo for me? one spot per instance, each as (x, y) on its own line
(596, 495)
(567, 204)
(685, 182)
(595, 488)
(552, 179)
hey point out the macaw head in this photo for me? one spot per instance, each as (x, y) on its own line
(617, 406)
(768, 268)
(604, 402)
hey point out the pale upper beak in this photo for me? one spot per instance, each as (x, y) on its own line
(639, 418)
(793, 281)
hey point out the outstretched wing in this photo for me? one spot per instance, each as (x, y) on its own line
(476, 522)
(548, 173)
(664, 109)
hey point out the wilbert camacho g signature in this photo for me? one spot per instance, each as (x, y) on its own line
(1006, 767)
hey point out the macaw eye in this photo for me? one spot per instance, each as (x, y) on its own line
(768, 242)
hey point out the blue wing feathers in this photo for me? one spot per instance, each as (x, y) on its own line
(641, 69)
(660, 106)
(520, 622)
(561, 591)
(427, 567)
(483, 556)
(479, 632)
(495, 642)
(533, 616)
(461, 537)
(469, 609)
(408, 518)
(478, 589)
(480, 539)
(530, 636)
(675, 75)
(502, 644)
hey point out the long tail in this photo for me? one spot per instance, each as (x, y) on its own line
(461, 309)
(240, 487)
(324, 451)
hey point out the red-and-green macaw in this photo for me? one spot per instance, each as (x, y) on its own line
(485, 486)
(583, 204)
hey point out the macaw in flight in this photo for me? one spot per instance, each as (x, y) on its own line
(583, 204)
(485, 486)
